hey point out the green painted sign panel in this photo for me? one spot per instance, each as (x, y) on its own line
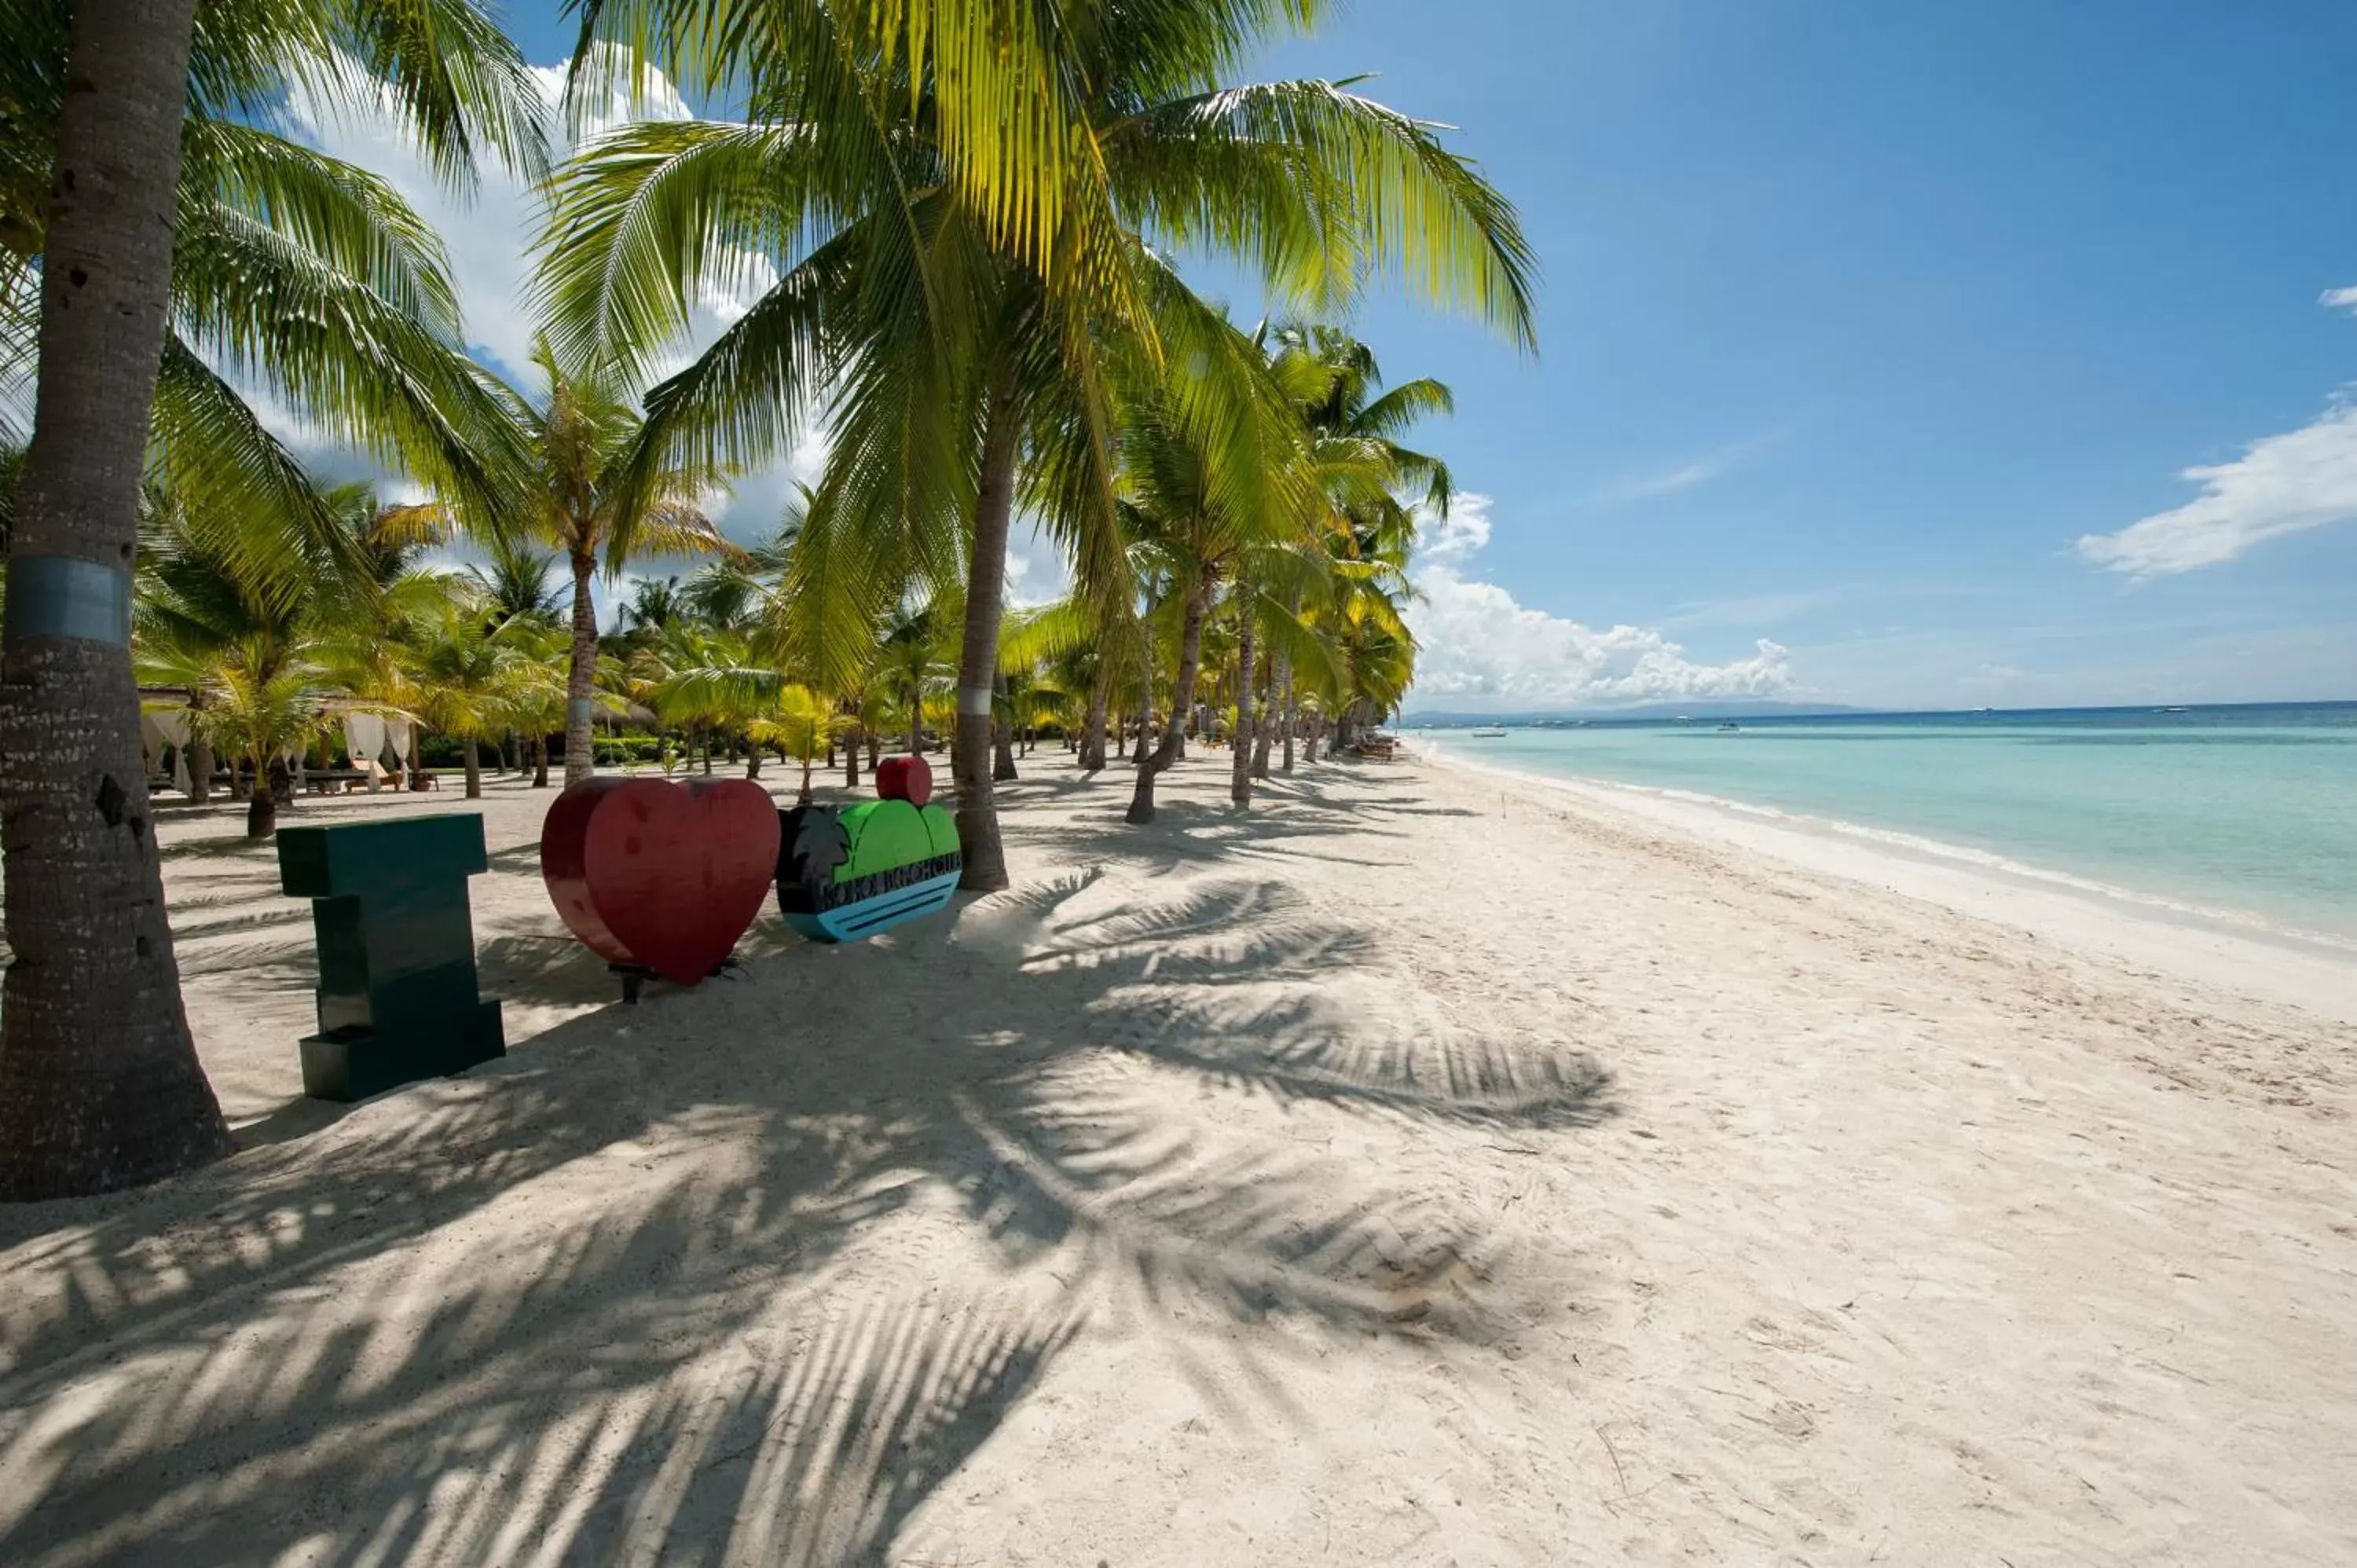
(397, 986)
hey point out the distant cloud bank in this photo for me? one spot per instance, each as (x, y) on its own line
(1479, 647)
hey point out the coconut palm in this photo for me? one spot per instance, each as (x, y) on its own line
(262, 662)
(916, 661)
(515, 581)
(1367, 476)
(802, 724)
(467, 673)
(536, 709)
(705, 679)
(98, 1083)
(948, 337)
(585, 498)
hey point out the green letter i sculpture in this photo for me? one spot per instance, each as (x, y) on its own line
(397, 1000)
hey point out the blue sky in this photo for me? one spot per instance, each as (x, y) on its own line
(1856, 320)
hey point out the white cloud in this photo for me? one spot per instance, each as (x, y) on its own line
(1465, 530)
(1037, 572)
(2284, 484)
(2339, 298)
(1481, 649)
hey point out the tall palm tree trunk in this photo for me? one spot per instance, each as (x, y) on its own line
(581, 672)
(200, 768)
(1280, 678)
(970, 754)
(1239, 770)
(916, 720)
(474, 762)
(1092, 738)
(851, 758)
(1002, 736)
(100, 1087)
(1182, 704)
(540, 762)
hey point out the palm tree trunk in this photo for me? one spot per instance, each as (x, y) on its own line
(1092, 738)
(99, 1086)
(804, 798)
(874, 750)
(581, 672)
(916, 724)
(1280, 678)
(261, 812)
(200, 769)
(1002, 750)
(752, 762)
(1182, 704)
(851, 758)
(1239, 775)
(540, 762)
(970, 752)
(473, 769)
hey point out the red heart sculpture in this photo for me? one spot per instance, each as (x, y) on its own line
(647, 873)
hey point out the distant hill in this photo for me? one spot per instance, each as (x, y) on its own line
(1731, 708)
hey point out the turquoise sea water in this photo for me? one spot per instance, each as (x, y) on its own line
(2249, 810)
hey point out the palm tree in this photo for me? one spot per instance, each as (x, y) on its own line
(1367, 476)
(704, 681)
(1194, 531)
(587, 500)
(801, 725)
(469, 674)
(655, 603)
(955, 289)
(260, 662)
(514, 583)
(99, 1083)
(916, 661)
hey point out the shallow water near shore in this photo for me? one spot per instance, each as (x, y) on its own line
(2245, 811)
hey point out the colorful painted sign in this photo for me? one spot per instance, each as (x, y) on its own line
(845, 874)
(396, 939)
(657, 877)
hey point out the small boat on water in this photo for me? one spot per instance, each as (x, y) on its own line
(1729, 726)
(1487, 732)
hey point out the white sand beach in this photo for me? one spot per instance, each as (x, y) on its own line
(1421, 1168)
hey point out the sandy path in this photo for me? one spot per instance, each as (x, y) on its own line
(1419, 1170)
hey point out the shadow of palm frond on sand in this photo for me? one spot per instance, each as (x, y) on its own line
(746, 1273)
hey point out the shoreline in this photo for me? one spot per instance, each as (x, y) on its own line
(2234, 949)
